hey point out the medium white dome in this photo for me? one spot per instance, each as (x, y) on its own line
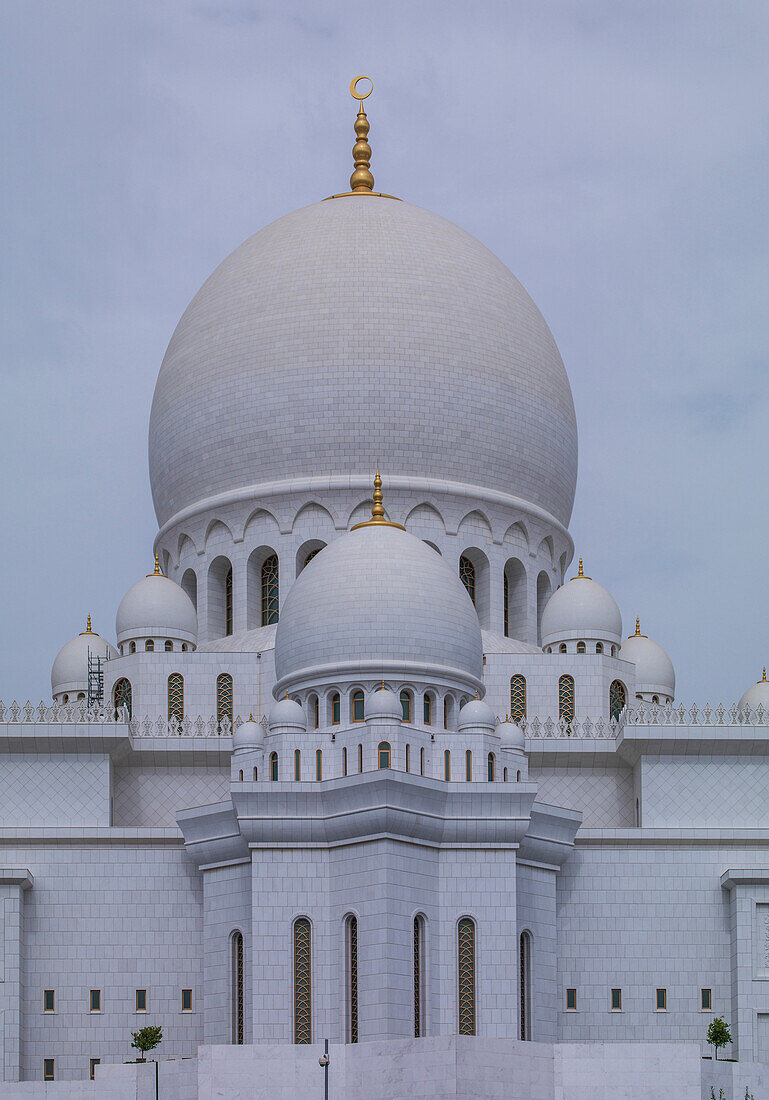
(387, 333)
(69, 673)
(654, 672)
(156, 607)
(475, 714)
(511, 736)
(249, 735)
(757, 695)
(287, 713)
(581, 609)
(384, 703)
(378, 602)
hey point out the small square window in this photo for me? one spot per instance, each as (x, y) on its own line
(94, 1063)
(662, 1000)
(571, 1000)
(705, 1000)
(95, 1000)
(48, 1069)
(616, 1000)
(186, 1000)
(49, 1000)
(141, 1000)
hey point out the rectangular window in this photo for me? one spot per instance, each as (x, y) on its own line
(616, 1000)
(48, 1069)
(141, 1000)
(186, 1000)
(662, 1000)
(428, 710)
(571, 1000)
(93, 1064)
(49, 1000)
(705, 1000)
(95, 1000)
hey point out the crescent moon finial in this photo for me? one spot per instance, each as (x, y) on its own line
(361, 180)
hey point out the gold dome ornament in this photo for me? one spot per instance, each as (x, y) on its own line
(580, 575)
(89, 631)
(157, 572)
(638, 633)
(362, 180)
(377, 510)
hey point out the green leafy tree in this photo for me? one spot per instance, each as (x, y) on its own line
(718, 1033)
(147, 1038)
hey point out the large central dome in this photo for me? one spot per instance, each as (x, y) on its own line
(357, 330)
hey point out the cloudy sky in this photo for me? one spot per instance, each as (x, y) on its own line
(613, 153)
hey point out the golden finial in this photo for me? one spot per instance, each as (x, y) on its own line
(87, 625)
(157, 572)
(361, 180)
(580, 573)
(763, 679)
(638, 633)
(250, 716)
(377, 509)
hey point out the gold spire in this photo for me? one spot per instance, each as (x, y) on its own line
(157, 572)
(638, 633)
(763, 679)
(361, 179)
(580, 574)
(377, 510)
(87, 625)
(251, 716)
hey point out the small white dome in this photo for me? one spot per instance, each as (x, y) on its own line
(511, 736)
(384, 704)
(378, 602)
(757, 695)
(654, 672)
(156, 607)
(581, 609)
(475, 715)
(287, 713)
(248, 736)
(70, 668)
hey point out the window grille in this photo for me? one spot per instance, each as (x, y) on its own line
(518, 698)
(467, 576)
(336, 709)
(223, 699)
(228, 602)
(617, 699)
(237, 988)
(302, 981)
(122, 695)
(418, 952)
(566, 698)
(406, 706)
(270, 594)
(466, 974)
(176, 696)
(352, 965)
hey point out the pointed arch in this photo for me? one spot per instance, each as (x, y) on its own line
(190, 586)
(307, 551)
(217, 531)
(475, 523)
(515, 599)
(424, 519)
(185, 545)
(311, 517)
(262, 587)
(544, 590)
(261, 526)
(221, 595)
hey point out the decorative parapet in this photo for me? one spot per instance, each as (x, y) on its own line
(654, 714)
(63, 713)
(187, 727)
(578, 728)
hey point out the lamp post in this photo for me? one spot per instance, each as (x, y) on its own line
(323, 1063)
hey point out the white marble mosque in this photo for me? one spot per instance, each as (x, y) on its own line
(390, 772)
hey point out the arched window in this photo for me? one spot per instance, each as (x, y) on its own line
(581, 647)
(448, 712)
(228, 602)
(504, 775)
(447, 765)
(506, 604)
(273, 767)
(184, 647)
(518, 777)
(352, 979)
(81, 695)
(344, 761)
(66, 698)
(617, 699)
(469, 766)
(336, 709)
(421, 761)
(302, 981)
(599, 647)
(655, 698)
(419, 984)
(360, 758)
(121, 695)
(176, 696)
(525, 964)
(223, 699)
(562, 647)
(168, 646)
(240, 775)
(297, 765)
(466, 975)
(637, 813)
(270, 596)
(311, 555)
(318, 765)
(428, 710)
(518, 698)
(467, 576)
(408, 758)
(566, 698)
(236, 985)
(149, 645)
(256, 774)
(315, 710)
(132, 647)
(490, 767)
(357, 706)
(383, 754)
(406, 706)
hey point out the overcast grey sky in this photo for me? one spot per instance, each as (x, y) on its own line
(612, 154)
